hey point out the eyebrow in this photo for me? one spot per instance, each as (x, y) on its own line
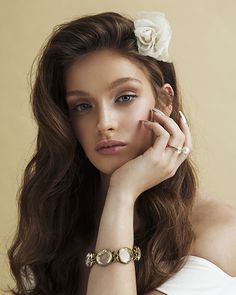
(112, 85)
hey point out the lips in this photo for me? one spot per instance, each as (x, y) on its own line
(109, 143)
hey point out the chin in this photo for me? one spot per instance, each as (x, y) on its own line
(108, 166)
(109, 169)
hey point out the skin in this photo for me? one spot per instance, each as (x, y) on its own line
(105, 114)
(107, 118)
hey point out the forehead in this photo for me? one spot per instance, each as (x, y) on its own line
(102, 67)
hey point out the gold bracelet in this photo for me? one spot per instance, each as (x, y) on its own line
(106, 256)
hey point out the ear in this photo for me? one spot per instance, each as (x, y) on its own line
(167, 110)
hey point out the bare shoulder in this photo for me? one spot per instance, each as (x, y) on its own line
(155, 292)
(214, 223)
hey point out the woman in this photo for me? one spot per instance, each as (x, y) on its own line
(110, 204)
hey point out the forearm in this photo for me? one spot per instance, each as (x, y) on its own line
(115, 231)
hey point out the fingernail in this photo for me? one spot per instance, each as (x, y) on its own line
(183, 117)
(158, 111)
(152, 117)
(145, 121)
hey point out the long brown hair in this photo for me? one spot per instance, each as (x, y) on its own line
(57, 197)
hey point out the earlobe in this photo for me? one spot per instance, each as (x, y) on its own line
(167, 110)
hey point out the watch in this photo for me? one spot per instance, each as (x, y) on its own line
(105, 257)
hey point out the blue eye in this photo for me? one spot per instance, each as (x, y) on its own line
(128, 95)
(81, 104)
(76, 108)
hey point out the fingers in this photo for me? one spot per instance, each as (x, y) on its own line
(167, 131)
(168, 123)
(188, 140)
(185, 129)
(176, 136)
(161, 137)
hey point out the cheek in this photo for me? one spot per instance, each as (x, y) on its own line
(81, 133)
(141, 112)
(141, 136)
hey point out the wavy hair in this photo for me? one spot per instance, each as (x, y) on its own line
(57, 195)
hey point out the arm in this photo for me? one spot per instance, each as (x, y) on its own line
(116, 225)
(115, 231)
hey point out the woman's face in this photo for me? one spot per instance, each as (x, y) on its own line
(102, 109)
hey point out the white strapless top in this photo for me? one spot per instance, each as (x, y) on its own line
(199, 276)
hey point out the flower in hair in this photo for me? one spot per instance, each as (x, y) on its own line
(153, 34)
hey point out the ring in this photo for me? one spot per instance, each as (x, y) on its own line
(185, 150)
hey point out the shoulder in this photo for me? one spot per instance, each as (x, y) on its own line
(214, 223)
(155, 293)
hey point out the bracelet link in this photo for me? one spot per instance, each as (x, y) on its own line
(105, 257)
(90, 259)
(136, 253)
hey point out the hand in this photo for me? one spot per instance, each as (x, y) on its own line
(157, 163)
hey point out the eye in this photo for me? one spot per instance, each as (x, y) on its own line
(80, 107)
(76, 108)
(127, 95)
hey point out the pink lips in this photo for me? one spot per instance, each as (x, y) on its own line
(111, 150)
(110, 147)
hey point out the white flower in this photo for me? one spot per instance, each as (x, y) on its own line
(153, 34)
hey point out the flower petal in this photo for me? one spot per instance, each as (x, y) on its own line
(153, 34)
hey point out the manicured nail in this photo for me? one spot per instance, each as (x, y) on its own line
(145, 121)
(152, 116)
(158, 111)
(183, 117)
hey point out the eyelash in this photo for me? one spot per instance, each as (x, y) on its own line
(131, 95)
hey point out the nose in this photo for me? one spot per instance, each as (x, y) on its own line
(106, 120)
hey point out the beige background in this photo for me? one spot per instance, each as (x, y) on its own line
(203, 49)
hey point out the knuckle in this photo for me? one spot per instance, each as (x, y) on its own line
(182, 136)
(166, 134)
(152, 156)
(172, 172)
(155, 160)
(169, 170)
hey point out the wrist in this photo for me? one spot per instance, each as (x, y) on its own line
(124, 198)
